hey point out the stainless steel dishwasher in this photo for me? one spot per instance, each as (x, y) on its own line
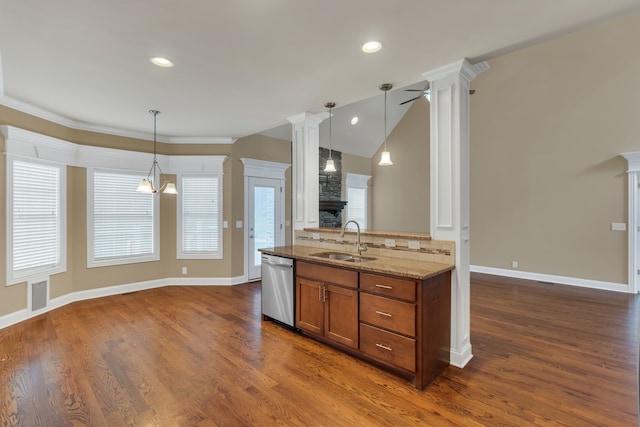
(278, 289)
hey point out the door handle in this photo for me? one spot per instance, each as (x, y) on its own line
(251, 236)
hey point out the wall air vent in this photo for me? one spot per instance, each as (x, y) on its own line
(37, 295)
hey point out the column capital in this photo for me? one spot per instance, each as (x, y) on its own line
(310, 118)
(462, 67)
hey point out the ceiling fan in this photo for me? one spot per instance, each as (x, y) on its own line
(425, 92)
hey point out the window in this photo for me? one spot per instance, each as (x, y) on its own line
(36, 219)
(199, 215)
(357, 206)
(122, 223)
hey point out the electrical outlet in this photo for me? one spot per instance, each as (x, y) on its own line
(390, 243)
(618, 226)
(414, 244)
(514, 264)
(316, 236)
(184, 270)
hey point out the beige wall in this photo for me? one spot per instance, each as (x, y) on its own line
(400, 193)
(547, 126)
(80, 278)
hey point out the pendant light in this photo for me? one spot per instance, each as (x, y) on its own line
(385, 156)
(330, 167)
(146, 185)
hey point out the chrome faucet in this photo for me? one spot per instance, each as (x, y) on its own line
(359, 246)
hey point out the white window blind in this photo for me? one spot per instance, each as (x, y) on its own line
(35, 215)
(37, 219)
(122, 223)
(357, 206)
(199, 216)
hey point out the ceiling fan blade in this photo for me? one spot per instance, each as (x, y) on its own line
(414, 90)
(413, 99)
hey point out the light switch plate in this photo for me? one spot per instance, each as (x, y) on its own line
(238, 224)
(390, 243)
(225, 224)
(618, 226)
(414, 244)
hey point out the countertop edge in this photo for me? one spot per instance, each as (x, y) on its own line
(369, 267)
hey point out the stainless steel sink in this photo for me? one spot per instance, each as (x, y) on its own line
(341, 256)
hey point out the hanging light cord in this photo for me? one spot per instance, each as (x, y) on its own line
(330, 142)
(154, 165)
(385, 120)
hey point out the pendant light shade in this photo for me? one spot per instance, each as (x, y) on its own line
(331, 166)
(385, 156)
(146, 185)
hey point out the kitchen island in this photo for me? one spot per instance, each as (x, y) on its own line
(394, 312)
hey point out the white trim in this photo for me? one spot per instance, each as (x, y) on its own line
(561, 280)
(195, 164)
(202, 140)
(180, 254)
(23, 314)
(633, 170)
(264, 168)
(91, 261)
(460, 359)
(254, 168)
(18, 105)
(355, 180)
(11, 277)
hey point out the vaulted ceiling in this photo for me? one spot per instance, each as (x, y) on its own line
(244, 66)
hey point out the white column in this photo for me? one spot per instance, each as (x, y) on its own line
(305, 171)
(449, 114)
(633, 172)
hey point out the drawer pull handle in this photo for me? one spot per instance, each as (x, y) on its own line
(382, 313)
(384, 347)
(378, 285)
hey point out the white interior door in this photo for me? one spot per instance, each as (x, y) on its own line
(265, 218)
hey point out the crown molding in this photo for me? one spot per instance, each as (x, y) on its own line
(41, 113)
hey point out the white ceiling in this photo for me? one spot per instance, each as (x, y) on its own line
(244, 66)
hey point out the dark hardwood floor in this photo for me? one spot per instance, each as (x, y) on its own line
(201, 356)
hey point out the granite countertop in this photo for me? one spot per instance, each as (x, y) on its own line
(412, 269)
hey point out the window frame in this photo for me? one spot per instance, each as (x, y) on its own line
(134, 259)
(180, 252)
(13, 276)
(358, 182)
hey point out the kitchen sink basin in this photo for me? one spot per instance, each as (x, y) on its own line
(341, 256)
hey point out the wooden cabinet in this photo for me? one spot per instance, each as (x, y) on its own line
(327, 302)
(400, 323)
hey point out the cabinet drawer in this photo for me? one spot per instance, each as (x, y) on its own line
(326, 274)
(390, 314)
(388, 286)
(388, 347)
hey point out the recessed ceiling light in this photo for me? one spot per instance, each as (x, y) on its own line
(161, 62)
(371, 47)
(354, 120)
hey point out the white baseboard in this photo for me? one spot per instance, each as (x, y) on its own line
(460, 359)
(562, 280)
(21, 315)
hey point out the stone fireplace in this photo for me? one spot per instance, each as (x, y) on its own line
(330, 190)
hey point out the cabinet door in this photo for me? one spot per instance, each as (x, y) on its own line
(341, 316)
(309, 306)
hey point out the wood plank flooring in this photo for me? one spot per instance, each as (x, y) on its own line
(201, 356)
